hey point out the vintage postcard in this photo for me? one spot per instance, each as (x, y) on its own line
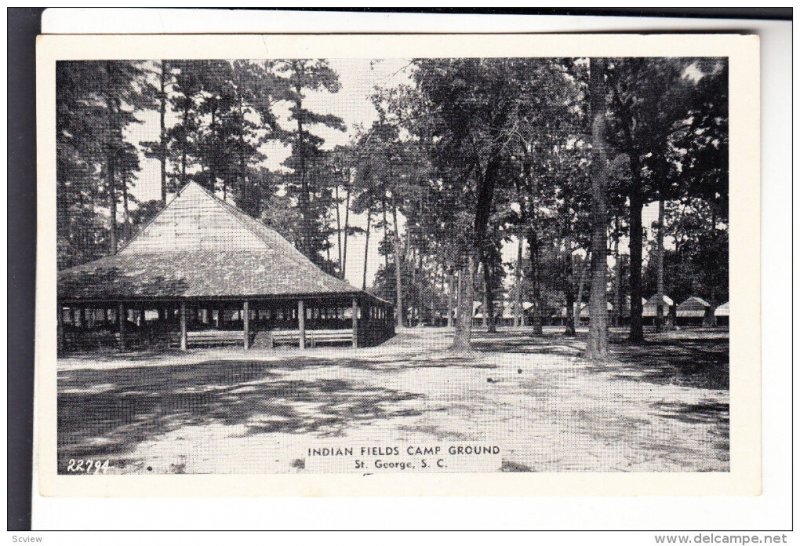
(398, 264)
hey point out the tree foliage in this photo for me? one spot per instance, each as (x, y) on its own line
(462, 161)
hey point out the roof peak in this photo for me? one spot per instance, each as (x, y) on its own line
(201, 245)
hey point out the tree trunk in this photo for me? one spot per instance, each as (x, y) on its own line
(242, 160)
(488, 297)
(461, 340)
(433, 299)
(635, 243)
(338, 229)
(63, 202)
(112, 203)
(533, 247)
(450, 300)
(162, 112)
(581, 283)
(414, 303)
(597, 342)
(533, 250)
(185, 143)
(660, 268)
(459, 295)
(110, 175)
(346, 230)
(617, 276)
(212, 167)
(483, 210)
(518, 310)
(398, 268)
(366, 251)
(569, 295)
(126, 226)
(385, 234)
(418, 280)
(305, 199)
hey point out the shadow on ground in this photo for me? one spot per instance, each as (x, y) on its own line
(697, 359)
(521, 343)
(706, 412)
(112, 354)
(109, 411)
(123, 407)
(698, 363)
(702, 412)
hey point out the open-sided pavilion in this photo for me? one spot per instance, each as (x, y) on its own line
(204, 272)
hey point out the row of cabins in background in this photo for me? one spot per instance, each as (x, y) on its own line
(203, 272)
(505, 314)
(693, 312)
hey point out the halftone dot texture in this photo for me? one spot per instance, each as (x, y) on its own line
(228, 411)
(661, 407)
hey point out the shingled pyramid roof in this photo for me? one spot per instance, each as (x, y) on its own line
(693, 307)
(650, 308)
(198, 246)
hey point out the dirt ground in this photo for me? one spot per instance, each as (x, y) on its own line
(660, 406)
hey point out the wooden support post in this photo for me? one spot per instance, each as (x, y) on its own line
(355, 323)
(60, 328)
(246, 324)
(184, 340)
(121, 319)
(148, 334)
(368, 322)
(301, 323)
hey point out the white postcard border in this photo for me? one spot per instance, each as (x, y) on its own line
(744, 477)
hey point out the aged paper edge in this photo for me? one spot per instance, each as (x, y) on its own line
(742, 51)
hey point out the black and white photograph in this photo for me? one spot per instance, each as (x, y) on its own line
(374, 265)
(418, 269)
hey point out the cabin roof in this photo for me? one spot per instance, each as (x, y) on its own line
(723, 310)
(694, 303)
(199, 246)
(653, 300)
(585, 311)
(693, 307)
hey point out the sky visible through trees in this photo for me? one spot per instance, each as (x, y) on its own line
(417, 176)
(358, 79)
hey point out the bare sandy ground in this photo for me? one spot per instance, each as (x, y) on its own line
(658, 407)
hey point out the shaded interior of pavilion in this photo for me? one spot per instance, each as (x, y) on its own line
(356, 321)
